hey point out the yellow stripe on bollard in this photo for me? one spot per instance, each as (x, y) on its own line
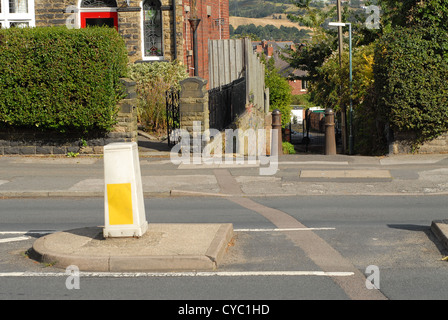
(119, 199)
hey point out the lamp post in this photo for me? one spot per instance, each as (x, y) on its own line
(341, 24)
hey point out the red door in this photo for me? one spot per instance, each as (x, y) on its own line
(99, 19)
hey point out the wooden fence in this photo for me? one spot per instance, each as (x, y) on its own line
(232, 59)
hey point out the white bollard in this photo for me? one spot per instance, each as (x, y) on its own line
(124, 210)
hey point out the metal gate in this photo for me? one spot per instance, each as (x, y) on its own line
(172, 116)
(309, 136)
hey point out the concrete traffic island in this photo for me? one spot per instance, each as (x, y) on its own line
(164, 248)
(127, 242)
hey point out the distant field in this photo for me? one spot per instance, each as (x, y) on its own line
(237, 21)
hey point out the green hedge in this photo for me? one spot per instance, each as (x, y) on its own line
(60, 79)
(411, 72)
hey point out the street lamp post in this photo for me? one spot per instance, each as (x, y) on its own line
(341, 24)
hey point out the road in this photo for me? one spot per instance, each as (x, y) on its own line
(264, 261)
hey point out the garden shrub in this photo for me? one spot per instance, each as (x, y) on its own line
(60, 79)
(153, 80)
(288, 148)
(411, 72)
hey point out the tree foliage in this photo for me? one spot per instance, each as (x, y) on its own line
(269, 32)
(411, 72)
(399, 70)
(279, 91)
(411, 13)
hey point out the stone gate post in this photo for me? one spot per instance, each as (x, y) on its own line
(193, 104)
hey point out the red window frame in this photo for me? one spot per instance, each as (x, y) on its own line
(110, 14)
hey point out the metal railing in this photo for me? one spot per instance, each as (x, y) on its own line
(226, 103)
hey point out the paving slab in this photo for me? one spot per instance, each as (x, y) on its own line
(373, 173)
(164, 247)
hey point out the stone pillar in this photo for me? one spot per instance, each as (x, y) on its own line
(193, 106)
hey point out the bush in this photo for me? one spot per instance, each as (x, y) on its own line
(288, 148)
(153, 80)
(60, 79)
(410, 70)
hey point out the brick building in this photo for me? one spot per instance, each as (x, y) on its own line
(153, 30)
(272, 50)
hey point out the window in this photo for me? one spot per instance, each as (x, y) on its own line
(152, 30)
(16, 13)
(304, 85)
(98, 4)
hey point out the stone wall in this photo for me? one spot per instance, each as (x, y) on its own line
(403, 144)
(129, 21)
(252, 119)
(52, 12)
(18, 141)
(193, 104)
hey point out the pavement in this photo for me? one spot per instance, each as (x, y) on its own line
(172, 247)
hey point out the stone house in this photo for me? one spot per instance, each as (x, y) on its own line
(153, 30)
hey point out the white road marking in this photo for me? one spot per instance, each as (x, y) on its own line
(282, 229)
(22, 233)
(27, 232)
(13, 239)
(179, 274)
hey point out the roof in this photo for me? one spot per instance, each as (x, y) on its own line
(283, 66)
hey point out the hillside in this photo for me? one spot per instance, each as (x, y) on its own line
(238, 21)
(259, 8)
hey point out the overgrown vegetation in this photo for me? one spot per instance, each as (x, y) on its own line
(279, 91)
(61, 79)
(153, 80)
(288, 148)
(411, 73)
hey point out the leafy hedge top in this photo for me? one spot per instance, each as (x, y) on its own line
(60, 79)
(411, 73)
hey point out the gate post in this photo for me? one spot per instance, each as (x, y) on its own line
(193, 107)
(330, 139)
(277, 125)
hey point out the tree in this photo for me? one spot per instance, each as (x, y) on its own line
(411, 13)
(279, 91)
(329, 81)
